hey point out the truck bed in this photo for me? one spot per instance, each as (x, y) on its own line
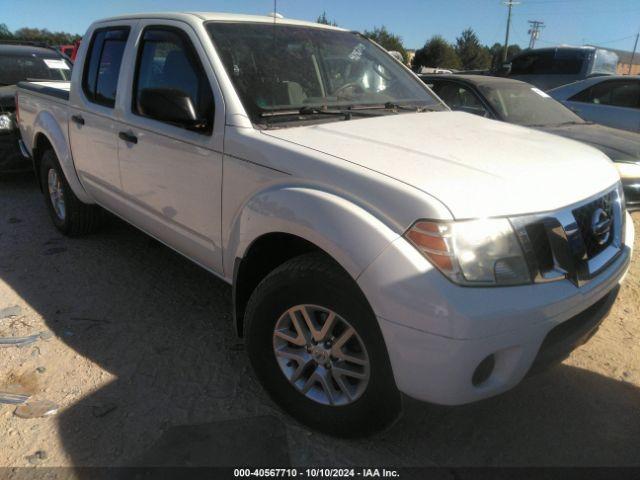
(56, 89)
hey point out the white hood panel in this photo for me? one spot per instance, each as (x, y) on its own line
(476, 167)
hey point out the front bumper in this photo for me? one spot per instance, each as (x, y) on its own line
(437, 333)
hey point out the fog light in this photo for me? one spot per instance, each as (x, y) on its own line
(5, 122)
(483, 370)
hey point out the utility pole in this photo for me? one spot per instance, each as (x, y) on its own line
(635, 46)
(534, 31)
(510, 4)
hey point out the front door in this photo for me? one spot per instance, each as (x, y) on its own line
(172, 172)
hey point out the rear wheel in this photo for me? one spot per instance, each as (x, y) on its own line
(317, 349)
(69, 214)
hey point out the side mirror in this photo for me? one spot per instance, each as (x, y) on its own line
(171, 106)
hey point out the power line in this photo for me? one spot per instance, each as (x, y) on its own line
(510, 4)
(534, 31)
(633, 55)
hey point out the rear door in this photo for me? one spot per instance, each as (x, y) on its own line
(171, 173)
(92, 124)
(615, 103)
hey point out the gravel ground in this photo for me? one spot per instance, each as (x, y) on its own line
(142, 341)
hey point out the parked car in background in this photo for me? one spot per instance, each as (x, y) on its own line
(613, 101)
(520, 103)
(551, 67)
(376, 242)
(70, 51)
(20, 62)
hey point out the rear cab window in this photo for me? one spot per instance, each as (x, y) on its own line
(102, 67)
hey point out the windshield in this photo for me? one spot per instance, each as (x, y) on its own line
(17, 68)
(289, 68)
(526, 105)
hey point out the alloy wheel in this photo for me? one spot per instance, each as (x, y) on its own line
(321, 355)
(56, 193)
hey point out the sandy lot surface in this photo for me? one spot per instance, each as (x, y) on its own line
(141, 341)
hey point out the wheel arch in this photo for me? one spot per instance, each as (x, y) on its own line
(280, 224)
(49, 134)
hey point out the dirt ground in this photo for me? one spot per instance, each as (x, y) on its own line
(142, 341)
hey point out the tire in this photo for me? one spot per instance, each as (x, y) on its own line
(316, 282)
(75, 218)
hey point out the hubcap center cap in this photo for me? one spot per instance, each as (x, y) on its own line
(320, 354)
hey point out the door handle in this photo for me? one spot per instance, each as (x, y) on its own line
(128, 137)
(77, 119)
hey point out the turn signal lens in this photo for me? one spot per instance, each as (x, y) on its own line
(433, 240)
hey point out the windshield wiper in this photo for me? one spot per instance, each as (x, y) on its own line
(344, 112)
(410, 108)
(323, 111)
(562, 124)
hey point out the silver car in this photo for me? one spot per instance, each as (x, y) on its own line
(611, 100)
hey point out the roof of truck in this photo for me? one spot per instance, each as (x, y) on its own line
(221, 17)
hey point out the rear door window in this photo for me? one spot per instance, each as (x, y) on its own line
(102, 68)
(619, 93)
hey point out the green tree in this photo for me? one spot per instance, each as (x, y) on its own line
(45, 36)
(325, 21)
(436, 53)
(388, 41)
(496, 54)
(5, 33)
(472, 54)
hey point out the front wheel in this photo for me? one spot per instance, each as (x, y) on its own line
(68, 213)
(316, 347)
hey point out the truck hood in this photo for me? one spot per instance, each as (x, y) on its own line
(476, 167)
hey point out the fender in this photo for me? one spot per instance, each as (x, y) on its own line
(47, 125)
(351, 235)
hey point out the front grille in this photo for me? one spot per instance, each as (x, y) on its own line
(584, 216)
(541, 245)
(563, 244)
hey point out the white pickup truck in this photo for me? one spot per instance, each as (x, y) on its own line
(377, 243)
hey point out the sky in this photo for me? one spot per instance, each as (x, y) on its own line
(611, 23)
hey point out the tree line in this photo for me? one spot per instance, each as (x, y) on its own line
(40, 35)
(467, 53)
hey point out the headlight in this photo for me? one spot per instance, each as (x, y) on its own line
(628, 171)
(472, 252)
(5, 122)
